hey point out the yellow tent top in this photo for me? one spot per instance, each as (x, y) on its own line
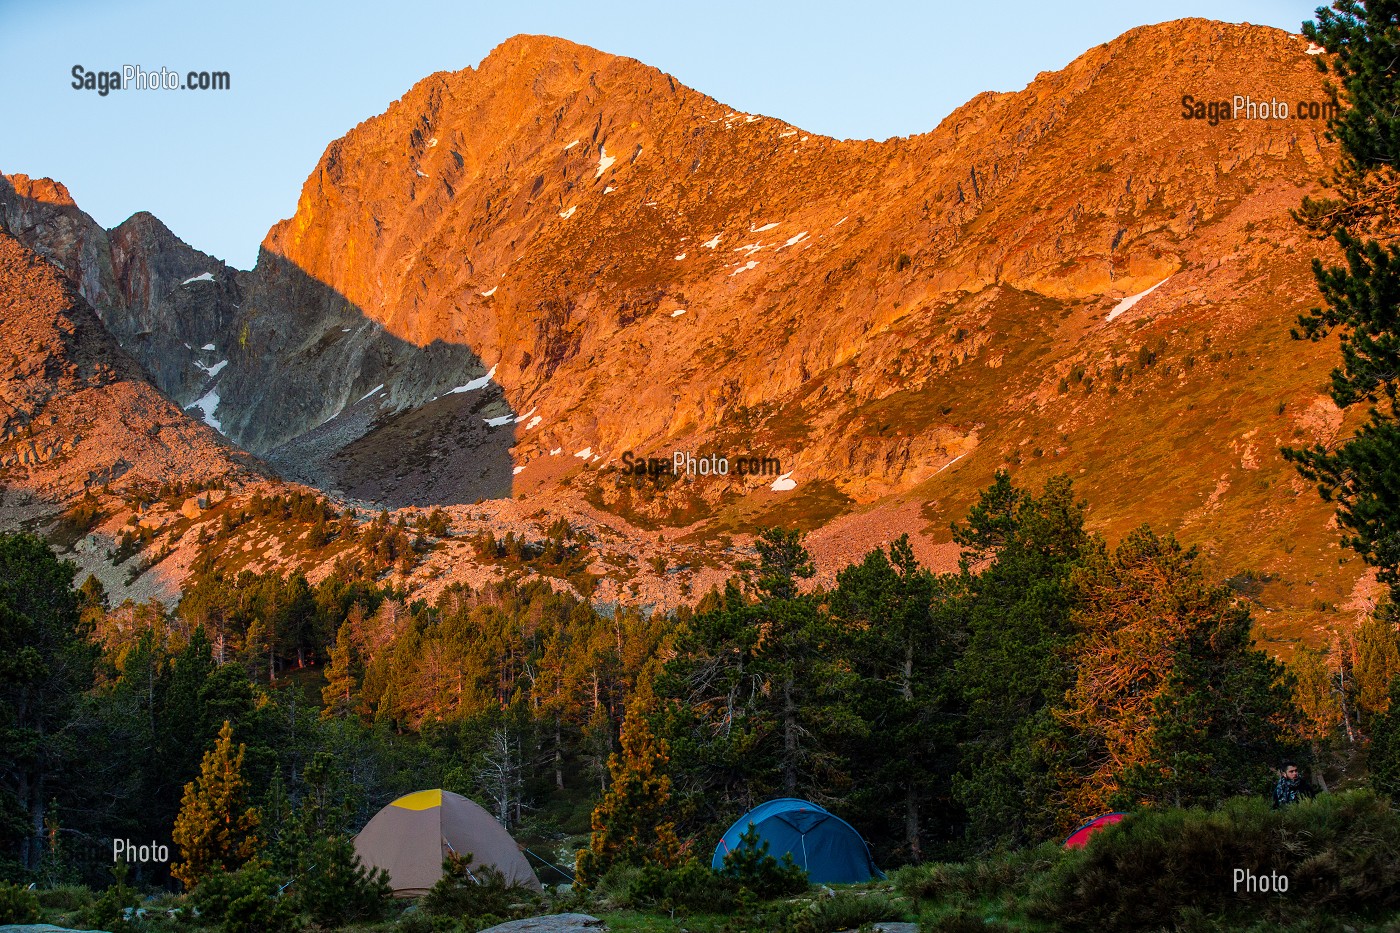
(420, 800)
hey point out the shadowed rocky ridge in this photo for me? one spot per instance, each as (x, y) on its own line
(168, 304)
(76, 411)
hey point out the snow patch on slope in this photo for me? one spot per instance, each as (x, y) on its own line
(1132, 300)
(605, 161)
(479, 383)
(207, 406)
(948, 464)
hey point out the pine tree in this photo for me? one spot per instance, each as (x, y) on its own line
(902, 642)
(343, 675)
(216, 828)
(1317, 696)
(630, 824)
(761, 692)
(783, 562)
(1362, 296)
(1015, 672)
(1315, 693)
(1375, 660)
(1384, 753)
(334, 887)
(319, 534)
(1172, 703)
(1222, 723)
(46, 663)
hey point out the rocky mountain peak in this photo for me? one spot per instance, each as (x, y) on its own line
(522, 271)
(165, 301)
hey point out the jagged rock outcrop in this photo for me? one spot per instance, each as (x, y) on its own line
(169, 305)
(76, 411)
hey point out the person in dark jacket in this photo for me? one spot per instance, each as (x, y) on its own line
(1288, 790)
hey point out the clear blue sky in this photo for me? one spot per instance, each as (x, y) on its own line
(220, 168)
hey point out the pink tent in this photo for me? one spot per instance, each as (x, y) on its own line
(1080, 837)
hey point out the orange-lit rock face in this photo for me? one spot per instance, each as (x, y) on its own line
(553, 210)
(42, 190)
(637, 267)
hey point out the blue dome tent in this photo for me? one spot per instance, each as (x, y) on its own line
(822, 843)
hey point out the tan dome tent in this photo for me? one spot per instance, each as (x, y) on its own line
(411, 836)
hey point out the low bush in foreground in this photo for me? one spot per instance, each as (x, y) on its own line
(18, 905)
(248, 900)
(1190, 870)
(690, 887)
(754, 869)
(477, 895)
(1340, 854)
(847, 910)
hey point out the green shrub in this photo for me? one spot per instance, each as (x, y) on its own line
(17, 904)
(248, 900)
(690, 886)
(845, 911)
(419, 922)
(109, 910)
(961, 920)
(65, 897)
(1158, 867)
(481, 895)
(753, 868)
(335, 887)
(617, 883)
(1002, 876)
